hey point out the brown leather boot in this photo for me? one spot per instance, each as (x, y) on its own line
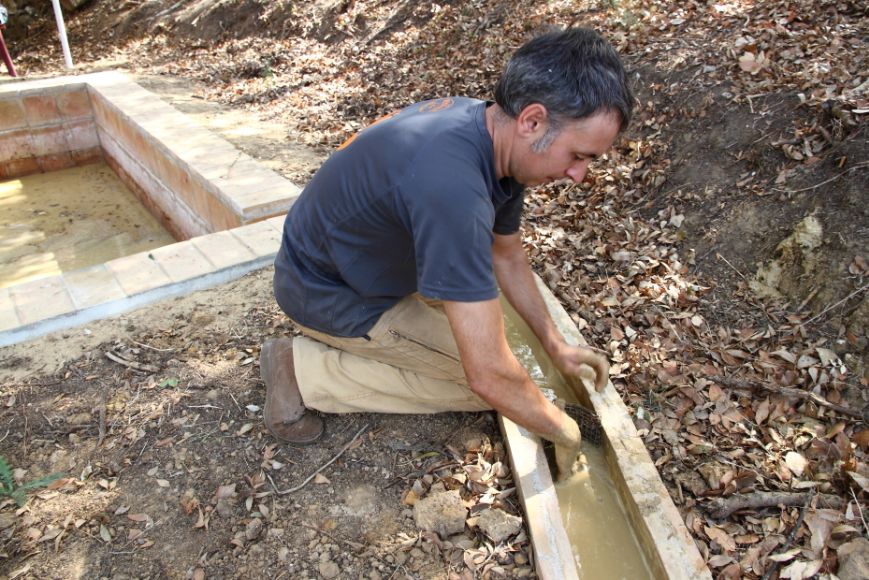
(285, 414)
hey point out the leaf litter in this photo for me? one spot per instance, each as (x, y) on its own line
(736, 398)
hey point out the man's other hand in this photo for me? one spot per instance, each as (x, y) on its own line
(570, 358)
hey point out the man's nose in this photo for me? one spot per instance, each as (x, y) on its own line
(577, 171)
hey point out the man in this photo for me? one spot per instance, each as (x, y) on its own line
(393, 256)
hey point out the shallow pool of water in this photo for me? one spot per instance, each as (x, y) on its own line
(70, 219)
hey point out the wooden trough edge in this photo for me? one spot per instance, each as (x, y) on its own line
(669, 549)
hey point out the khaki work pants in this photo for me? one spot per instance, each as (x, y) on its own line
(409, 363)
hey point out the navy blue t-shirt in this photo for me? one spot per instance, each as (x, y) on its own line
(410, 204)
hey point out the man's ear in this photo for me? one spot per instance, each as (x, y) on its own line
(533, 121)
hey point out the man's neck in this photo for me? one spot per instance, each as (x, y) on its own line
(499, 126)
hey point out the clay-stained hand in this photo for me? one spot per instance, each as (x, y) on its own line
(570, 358)
(567, 442)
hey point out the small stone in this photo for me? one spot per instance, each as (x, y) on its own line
(854, 560)
(253, 529)
(419, 488)
(519, 559)
(523, 572)
(443, 513)
(329, 570)
(224, 508)
(375, 575)
(462, 541)
(498, 524)
(283, 554)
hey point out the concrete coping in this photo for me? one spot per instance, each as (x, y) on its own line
(72, 298)
(668, 547)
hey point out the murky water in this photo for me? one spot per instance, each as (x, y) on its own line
(70, 219)
(596, 523)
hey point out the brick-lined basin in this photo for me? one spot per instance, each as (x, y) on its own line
(196, 183)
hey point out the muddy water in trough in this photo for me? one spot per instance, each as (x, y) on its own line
(596, 523)
(70, 219)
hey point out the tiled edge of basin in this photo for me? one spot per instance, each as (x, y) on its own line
(45, 305)
(195, 181)
(669, 548)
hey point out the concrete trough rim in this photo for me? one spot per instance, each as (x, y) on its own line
(670, 550)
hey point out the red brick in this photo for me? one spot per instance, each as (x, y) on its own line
(41, 110)
(56, 161)
(74, 104)
(15, 145)
(86, 156)
(12, 114)
(21, 167)
(48, 140)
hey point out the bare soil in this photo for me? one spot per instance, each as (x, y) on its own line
(170, 470)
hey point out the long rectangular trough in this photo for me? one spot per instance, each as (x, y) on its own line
(667, 547)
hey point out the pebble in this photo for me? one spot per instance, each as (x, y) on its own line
(283, 554)
(329, 570)
(253, 529)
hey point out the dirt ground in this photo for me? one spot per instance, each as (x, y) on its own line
(169, 470)
(718, 255)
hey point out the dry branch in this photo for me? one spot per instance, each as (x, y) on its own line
(722, 507)
(788, 392)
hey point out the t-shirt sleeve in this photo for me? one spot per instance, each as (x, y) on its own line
(451, 221)
(508, 218)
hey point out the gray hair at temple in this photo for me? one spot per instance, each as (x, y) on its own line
(574, 73)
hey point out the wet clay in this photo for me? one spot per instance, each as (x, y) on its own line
(598, 528)
(70, 219)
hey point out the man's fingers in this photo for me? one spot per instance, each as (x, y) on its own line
(601, 373)
(601, 368)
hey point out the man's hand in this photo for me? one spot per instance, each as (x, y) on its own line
(567, 442)
(570, 358)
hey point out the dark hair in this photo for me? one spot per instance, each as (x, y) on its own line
(574, 73)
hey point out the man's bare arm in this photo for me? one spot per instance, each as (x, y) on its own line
(493, 372)
(516, 280)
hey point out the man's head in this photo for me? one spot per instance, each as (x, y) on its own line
(574, 74)
(568, 96)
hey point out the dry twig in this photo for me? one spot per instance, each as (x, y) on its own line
(130, 364)
(325, 465)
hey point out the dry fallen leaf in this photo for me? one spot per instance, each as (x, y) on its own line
(796, 463)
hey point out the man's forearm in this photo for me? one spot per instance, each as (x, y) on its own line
(517, 282)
